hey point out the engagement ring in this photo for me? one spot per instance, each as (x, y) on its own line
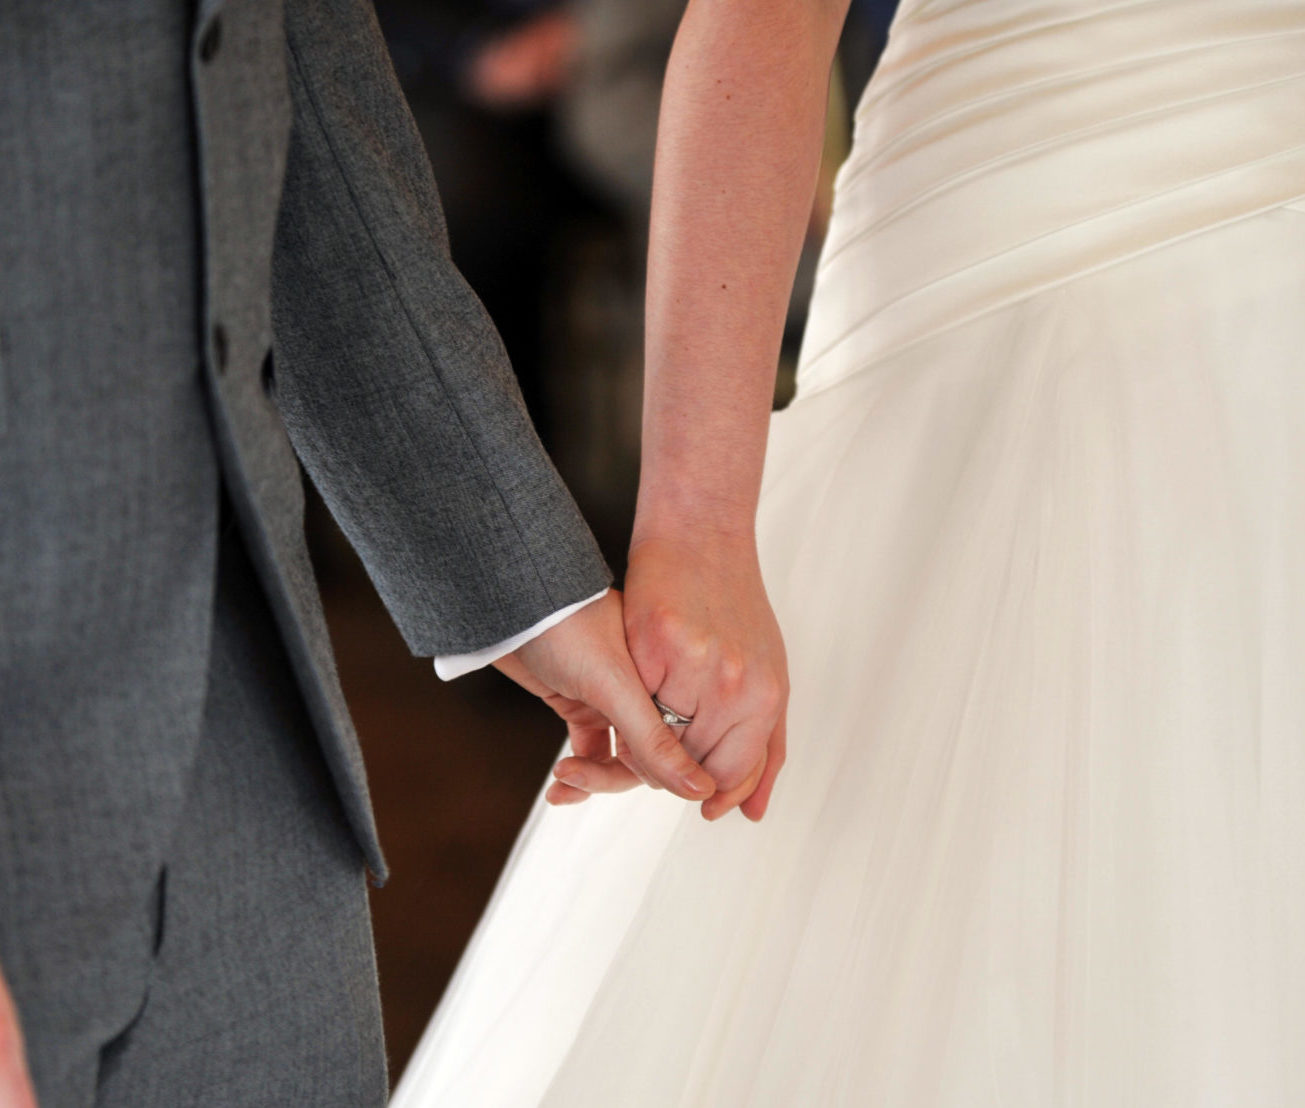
(670, 716)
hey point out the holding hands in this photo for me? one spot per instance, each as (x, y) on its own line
(583, 671)
(704, 641)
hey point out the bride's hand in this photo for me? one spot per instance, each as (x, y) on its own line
(705, 640)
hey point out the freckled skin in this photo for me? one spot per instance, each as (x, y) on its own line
(733, 188)
(732, 194)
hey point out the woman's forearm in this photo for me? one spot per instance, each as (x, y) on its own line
(738, 152)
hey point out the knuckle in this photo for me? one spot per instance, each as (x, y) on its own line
(696, 646)
(731, 671)
(640, 635)
(668, 633)
(730, 780)
(665, 624)
(697, 746)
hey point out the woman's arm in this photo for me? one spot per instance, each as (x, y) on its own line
(738, 152)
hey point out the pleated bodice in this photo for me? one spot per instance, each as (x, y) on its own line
(1005, 146)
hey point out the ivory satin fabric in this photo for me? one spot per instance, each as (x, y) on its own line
(1035, 531)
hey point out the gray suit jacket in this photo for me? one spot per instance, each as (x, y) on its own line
(221, 255)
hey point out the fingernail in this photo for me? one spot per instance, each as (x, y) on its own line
(575, 780)
(695, 783)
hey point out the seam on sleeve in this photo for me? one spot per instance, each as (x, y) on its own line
(432, 361)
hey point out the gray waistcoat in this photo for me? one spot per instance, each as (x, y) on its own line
(220, 248)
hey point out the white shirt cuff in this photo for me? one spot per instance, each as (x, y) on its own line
(449, 666)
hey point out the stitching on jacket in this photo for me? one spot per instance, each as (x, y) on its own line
(407, 314)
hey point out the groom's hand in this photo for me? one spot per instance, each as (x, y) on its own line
(583, 670)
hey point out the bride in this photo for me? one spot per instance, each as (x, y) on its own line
(1034, 533)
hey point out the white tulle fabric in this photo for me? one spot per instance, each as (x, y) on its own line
(1035, 531)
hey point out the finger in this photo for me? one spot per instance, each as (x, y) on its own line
(595, 777)
(704, 734)
(661, 758)
(578, 715)
(717, 805)
(626, 757)
(653, 745)
(776, 754)
(560, 795)
(735, 757)
(591, 742)
(681, 692)
(645, 640)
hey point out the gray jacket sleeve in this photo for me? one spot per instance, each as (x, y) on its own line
(389, 375)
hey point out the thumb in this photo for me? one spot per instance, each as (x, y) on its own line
(654, 745)
(722, 802)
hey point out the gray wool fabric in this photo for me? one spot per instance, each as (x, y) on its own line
(253, 981)
(221, 256)
(237, 968)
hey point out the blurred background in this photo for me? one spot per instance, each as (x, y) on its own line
(540, 119)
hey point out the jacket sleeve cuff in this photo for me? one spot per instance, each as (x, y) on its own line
(449, 666)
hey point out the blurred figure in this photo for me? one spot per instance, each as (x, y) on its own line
(608, 111)
(527, 65)
(480, 78)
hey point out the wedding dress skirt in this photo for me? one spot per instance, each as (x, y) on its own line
(1034, 528)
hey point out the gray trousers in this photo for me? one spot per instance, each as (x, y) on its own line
(259, 971)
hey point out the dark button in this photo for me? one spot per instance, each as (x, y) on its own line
(210, 40)
(268, 375)
(219, 347)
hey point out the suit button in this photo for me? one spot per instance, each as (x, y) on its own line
(219, 338)
(268, 375)
(210, 40)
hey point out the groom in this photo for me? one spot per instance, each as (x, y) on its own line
(223, 255)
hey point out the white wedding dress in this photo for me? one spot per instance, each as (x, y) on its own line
(1034, 528)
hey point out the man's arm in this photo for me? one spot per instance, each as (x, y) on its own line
(391, 378)
(450, 666)
(399, 399)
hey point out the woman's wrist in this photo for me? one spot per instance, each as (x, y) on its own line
(700, 516)
(696, 531)
(705, 547)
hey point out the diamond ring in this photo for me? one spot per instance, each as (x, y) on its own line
(670, 716)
